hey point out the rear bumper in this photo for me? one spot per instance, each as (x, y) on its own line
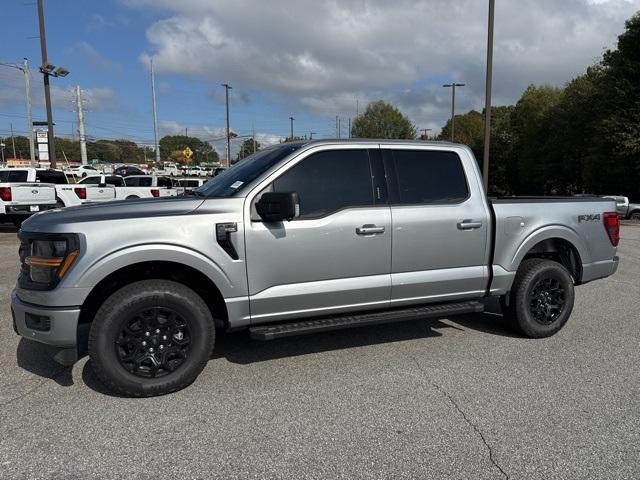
(596, 270)
(26, 209)
(54, 326)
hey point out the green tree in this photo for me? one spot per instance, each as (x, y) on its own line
(382, 120)
(202, 151)
(247, 148)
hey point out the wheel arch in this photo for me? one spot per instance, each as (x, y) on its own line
(181, 273)
(560, 244)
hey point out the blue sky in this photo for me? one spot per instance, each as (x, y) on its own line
(312, 60)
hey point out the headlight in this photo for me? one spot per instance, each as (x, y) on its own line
(46, 259)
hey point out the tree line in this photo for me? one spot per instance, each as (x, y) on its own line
(580, 138)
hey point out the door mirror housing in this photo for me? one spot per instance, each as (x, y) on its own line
(278, 206)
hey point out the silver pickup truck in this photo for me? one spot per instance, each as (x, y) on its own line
(296, 239)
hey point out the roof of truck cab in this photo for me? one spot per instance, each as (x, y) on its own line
(373, 141)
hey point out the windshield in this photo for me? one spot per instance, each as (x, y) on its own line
(241, 174)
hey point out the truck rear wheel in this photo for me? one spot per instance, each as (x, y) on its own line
(541, 298)
(151, 338)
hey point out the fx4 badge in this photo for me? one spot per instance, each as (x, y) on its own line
(589, 218)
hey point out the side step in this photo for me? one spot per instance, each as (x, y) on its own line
(307, 327)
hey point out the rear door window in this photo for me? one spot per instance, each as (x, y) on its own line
(428, 177)
(51, 176)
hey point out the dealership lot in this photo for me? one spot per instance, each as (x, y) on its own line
(461, 398)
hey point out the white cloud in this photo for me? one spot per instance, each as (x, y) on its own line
(324, 54)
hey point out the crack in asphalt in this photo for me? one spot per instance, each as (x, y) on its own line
(453, 402)
(32, 390)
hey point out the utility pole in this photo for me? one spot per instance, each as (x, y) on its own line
(487, 101)
(311, 134)
(339, 127)
(253, 136)
(349, 133)
(424, 132)
(186, 132)
(155, 114)
(83, 139)
(47, 92)
(292, 119)
(453, 105)
(27, 88)
(13, 142)
(227, 87)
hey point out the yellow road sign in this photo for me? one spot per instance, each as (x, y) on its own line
(188, 153)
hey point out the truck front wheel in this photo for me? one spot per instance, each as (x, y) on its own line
(541, 298)
(150, 338)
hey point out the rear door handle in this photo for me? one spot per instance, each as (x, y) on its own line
(468, 225)
(369, 229)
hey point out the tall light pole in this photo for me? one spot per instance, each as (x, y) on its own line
(311, 134)
(453, 86)
(227, 87)
(83, 138)
(291, 119)
(48, 70)
(487, 101)
(424, 132)
(155, 115)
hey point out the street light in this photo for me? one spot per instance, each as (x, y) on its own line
(24, 68)
(48, 70)
(487, 101)
(453, 86)
(292, 119)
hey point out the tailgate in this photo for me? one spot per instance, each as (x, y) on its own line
(32, 194)
(96, 193)
(167, 192)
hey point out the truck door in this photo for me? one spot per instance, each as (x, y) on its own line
(440, 225)
(336, 255)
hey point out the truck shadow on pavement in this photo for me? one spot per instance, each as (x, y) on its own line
(238, 348)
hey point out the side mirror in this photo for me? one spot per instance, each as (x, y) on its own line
(277, 206)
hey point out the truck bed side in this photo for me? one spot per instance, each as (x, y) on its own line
(569, 225)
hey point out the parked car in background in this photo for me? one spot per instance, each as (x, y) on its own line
(300, 238)
(126, 170)
(136, 186)
(207, 171)
(626, 210)
(68, 195)
(81, 171)
(190, 184)
(168, 168)
(195, 171)
(22, 196)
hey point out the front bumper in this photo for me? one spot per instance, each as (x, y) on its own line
(54, 326)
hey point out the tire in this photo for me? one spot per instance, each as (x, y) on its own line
(84, 174)
(541, 298)
(131, 197)
(635, 215)
(59, 204)
(124, 365)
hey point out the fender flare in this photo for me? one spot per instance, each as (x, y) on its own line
(119, 259)
(549, 232)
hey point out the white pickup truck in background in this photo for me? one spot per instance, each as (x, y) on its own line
(21, 196)
(66, 194)
(135, 186)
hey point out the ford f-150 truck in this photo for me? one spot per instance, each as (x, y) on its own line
(68, 194)
(300, 238)
(21, 196)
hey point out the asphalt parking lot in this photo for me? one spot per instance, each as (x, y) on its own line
(461, 398)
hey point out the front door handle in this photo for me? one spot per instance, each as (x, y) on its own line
(369, 229)
(468, 225)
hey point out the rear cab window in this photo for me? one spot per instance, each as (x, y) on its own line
(51, 176)
(13, 176)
